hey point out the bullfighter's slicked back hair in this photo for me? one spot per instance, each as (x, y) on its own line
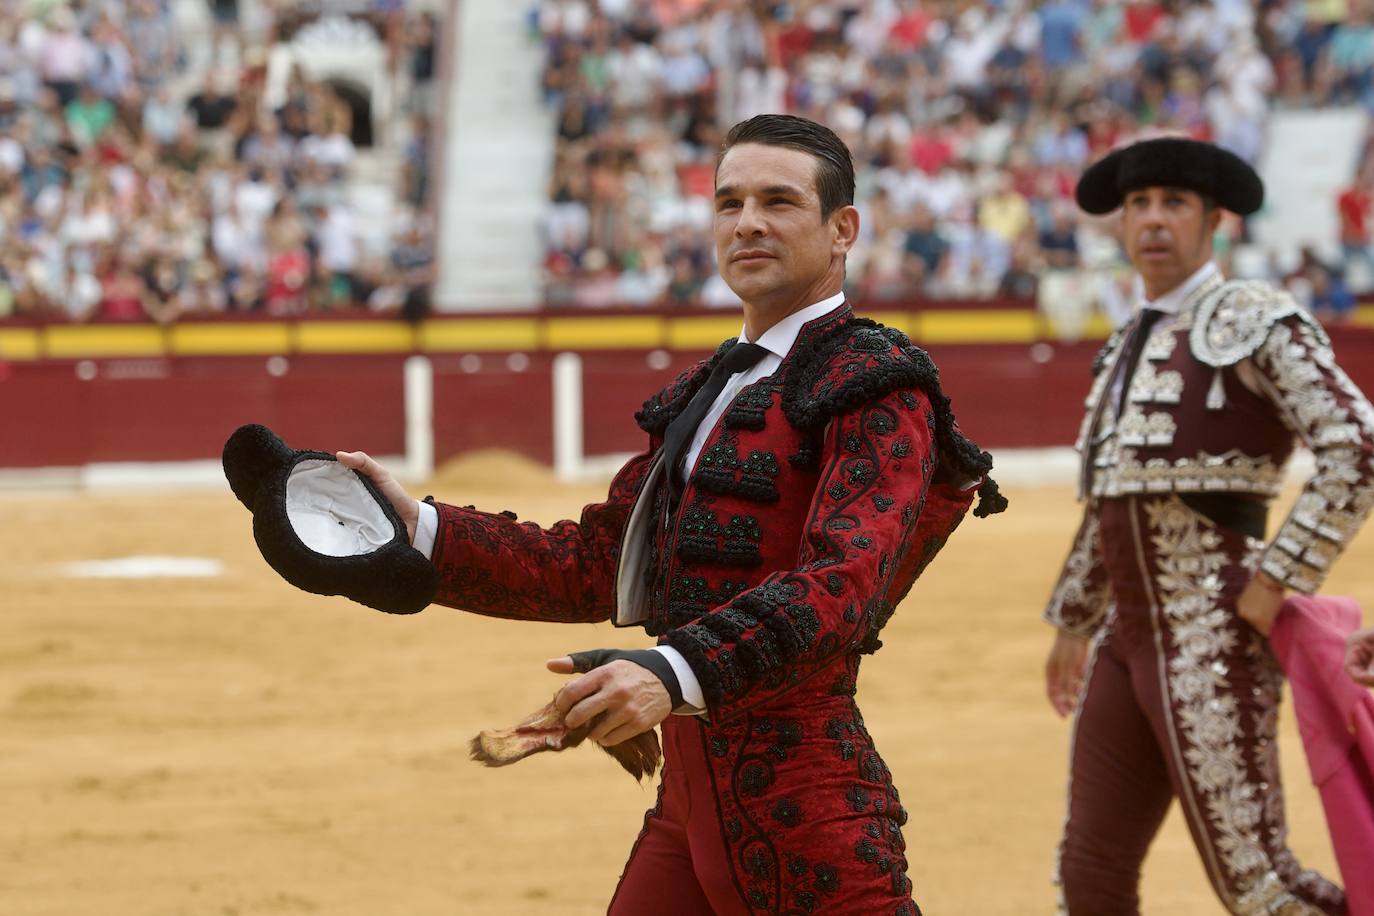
(834, 165)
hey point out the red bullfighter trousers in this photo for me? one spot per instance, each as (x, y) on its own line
(829, 839)
(1181, 701)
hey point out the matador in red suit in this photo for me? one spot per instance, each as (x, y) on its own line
(1165, 598)
(789, 492)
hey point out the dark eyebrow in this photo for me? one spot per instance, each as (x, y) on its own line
(771, 191)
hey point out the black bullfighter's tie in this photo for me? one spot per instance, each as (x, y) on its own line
(739, 358)
(1125, 368)
(1122, 372)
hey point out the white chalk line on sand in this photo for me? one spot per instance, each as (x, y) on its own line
(144, 567)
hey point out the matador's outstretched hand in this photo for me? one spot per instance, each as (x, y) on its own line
(405, 504)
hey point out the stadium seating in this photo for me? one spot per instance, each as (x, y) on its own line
(969, 123)
(161, 158)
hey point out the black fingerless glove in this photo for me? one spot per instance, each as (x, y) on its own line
(655, 662)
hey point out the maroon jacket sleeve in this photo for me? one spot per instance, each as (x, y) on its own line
(1332, 417)
(1083, 594)
(495, 565)
(877, 466)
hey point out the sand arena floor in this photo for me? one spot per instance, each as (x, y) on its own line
(232, 746)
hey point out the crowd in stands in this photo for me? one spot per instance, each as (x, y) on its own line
(969, 123)
(132, 188)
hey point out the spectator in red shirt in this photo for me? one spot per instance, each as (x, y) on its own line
(124, 291)
(1141, 19)
(1355, 206)
(909, 30)
(931, 151)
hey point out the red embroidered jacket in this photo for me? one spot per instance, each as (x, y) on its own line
(816, 502)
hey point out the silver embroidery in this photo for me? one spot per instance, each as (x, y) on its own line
(1233, 320)
(1159, 346)
(1136, 427)
(1155, 386)
(1122, 472)
(1075, 590)
(1305, 382)
(1189, 563)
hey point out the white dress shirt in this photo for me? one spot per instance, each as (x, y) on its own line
(1173, 300)
(778, 341)
(1170, 303)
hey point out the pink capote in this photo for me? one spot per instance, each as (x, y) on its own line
(1336, 720)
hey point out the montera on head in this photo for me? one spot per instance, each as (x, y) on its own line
(1171, 191)
(785, 216)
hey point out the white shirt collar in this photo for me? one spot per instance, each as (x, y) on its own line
(779, 339)
(1171, 302)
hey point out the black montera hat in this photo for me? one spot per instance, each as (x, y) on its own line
(326, 528)
(1172, 162)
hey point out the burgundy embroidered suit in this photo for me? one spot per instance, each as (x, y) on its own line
(1181, 699)
(816, 502)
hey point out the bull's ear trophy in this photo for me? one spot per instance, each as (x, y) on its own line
(545, 731)
(326, 528)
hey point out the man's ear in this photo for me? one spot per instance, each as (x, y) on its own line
(1214, 220)
(845, 222)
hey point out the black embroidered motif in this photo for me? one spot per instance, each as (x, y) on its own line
(834, 584)
(698, 534)
(720, 470)
(750, 408)
(882, 503)
(881, 423)
(859, 472)
(757, 862)
(690, 597)
(661, 409)
(842, 733)
(766, 625)
(754, 779)
(787, 812)
(807, 457)
(809, 400)
(870, 340)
